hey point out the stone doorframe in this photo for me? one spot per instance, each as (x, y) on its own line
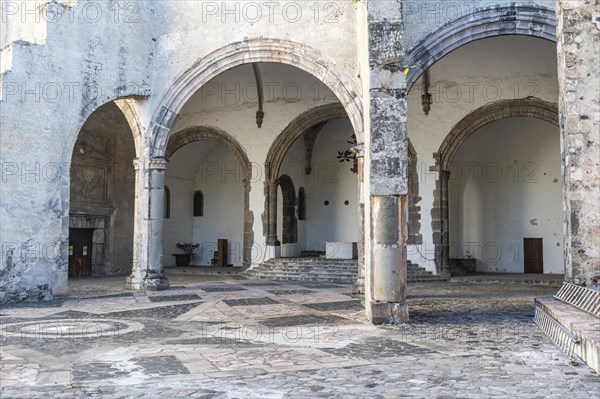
(209, 133)
(523, 108)
(100, 224)
(525, 20)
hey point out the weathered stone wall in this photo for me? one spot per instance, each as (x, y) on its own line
(49, 88)
(578, 39)
(62, 62)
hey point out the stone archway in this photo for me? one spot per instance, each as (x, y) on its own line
(209, 133)
(295, 129)
(526, 20)
(101, 194)
(524, 108)
(257, 50)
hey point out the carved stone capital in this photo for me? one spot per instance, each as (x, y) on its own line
(158, 164)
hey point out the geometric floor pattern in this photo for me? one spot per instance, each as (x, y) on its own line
(226, 337)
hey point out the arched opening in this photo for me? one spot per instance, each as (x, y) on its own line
(467, 85)
(321, 160)
(102, 189)
(208, 173)
(198, 203)
(251, 52)
(505, 191)
(227, 91)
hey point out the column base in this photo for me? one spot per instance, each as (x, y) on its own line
(387, 312)
(359, 286)
(446, 274)
(152, 282)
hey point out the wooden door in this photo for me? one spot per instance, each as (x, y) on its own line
(222, 252)
(80, 252)
(534, 255)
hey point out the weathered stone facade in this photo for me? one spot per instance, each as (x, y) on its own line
(578, 41)
(65, 64)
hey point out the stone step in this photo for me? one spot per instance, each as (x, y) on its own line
(316, 269)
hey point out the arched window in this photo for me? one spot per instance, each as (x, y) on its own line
(167, 202)
(301, 204)
(198, 203)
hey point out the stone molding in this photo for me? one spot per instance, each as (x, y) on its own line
(525, 20)
(294, 130)
(525, 108)
(251, 51)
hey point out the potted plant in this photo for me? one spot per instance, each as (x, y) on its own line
(185, 258)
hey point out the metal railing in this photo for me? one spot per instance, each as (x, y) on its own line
(580, 297)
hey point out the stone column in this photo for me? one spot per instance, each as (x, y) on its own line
(359, 285)
(578, 29)
(148, 268)
(273, 244)
(140, 228)
(445, 223)
(387, 164)
(155, 277)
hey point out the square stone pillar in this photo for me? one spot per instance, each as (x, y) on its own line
(578, 30)
(386, 163)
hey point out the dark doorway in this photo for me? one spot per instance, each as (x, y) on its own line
(80, 252)
(534, 255)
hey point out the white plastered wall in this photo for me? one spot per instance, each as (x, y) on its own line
(509, 189)
(481, 72)
(329, 180)
(214, 170)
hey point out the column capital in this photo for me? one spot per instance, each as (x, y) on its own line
(445, 174)
(158, 163)
(360, 150)
(137, 164)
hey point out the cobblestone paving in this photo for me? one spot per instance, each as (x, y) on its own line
(222, 337)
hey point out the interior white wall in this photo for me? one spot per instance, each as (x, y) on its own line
(506, 186)
(220, 177)
(331, 181)
(500, 68)
(213, 169)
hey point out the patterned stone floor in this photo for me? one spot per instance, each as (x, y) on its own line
(226, 337)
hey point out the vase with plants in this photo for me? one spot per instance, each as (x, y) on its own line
(185, 258)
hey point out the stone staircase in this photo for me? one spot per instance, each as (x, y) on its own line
(418, 274)
(319, 269)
